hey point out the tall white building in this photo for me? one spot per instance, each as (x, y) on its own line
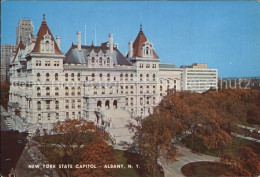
(24, 31)
(96, 83)
(6, 53)
(199, 78)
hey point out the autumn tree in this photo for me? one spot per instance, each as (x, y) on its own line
(97, 153)
(4, 92)
(153, 142)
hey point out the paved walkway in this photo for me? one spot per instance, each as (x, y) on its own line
(184, 157)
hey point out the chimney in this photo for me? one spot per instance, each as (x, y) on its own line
(79, 40)
(130, 53)
(58, 41)
(111, 43)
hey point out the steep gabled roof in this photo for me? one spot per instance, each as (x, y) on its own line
(19, 47)
(137, 45)
(42, 31)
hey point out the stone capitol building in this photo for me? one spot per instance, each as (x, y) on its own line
(96, 83)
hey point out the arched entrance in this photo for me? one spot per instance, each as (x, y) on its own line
(99, 103)
(115, 104)
(107, 104)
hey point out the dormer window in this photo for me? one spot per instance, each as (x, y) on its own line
(47, 45)
(147, 49)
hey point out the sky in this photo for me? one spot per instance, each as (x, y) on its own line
(223, 34)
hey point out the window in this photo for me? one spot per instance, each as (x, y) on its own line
(147, 100)
(121, 77)
(73, 104)
(38, 76)
(39, 107)
(100, 76)
(154, 100)
(131, 77)
(67, 104)
(56, 63)
(73, 91)
(153, 77)
(72, 76)
(38, 63)
(141, 101)
(57, 105)
(141, 65)
(66, 76)
(87, 78)
(67, 115)
(122, 89)
(108, 61)
(79, 115)
(48, 104)
(141, 77)
(154, 89)
(79, 91)
(38, 91)
(147, 77)
(73, 115)
(111, 90)
(56, 91)
(56, 76)
(95, 90)
(47, 63)
(126, 77)
(66, 91)
(49, 116)
(161, 89)
(147, 65)
(132, 101)
(126, 101)
(39, 117)
(141, 89)
(103, 90)
(100, 61)
(147, 89)
(108, 77)
(93, 76)
(47, 77)
(131, 89)
(48, 91)
(93, 61)
(57, 116)
(78, 76)
(79, 103)
(126, 89)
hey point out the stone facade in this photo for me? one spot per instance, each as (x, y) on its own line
(96, 83)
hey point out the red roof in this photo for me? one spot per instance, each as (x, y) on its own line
(19, 47)
(42, 31)
(137, 45)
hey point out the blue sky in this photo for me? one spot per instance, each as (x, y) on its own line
(224, 34)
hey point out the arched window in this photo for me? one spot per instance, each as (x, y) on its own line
(100, 76)
(141, 101)
(99, 104)
(131, 89)
(93, 61)
(67, 104)
(107, 104)
(38, 91)
(121, 76)
(78, 76)
(147, 89)
(66, 91)
(126, 89)
(154, 89)
(100, 61)
(153, 77)
(141, 89)
(115, 104)
(126, 101)
(108, 77)
(141, 77)
(39, 107)
(147, 77)
(48, 91)
(111, 90)
(132, 101)
(66, 76)
(93, 76)
(126, 77)
(73, 91)
(79, 91)
(72, 76)
(108, 61)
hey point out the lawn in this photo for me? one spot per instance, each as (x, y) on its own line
(199, 169)
(233, 147)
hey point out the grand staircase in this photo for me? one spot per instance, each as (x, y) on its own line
(118, 119)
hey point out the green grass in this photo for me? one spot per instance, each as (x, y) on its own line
(233, 147)
(200, 169)
(126, 172)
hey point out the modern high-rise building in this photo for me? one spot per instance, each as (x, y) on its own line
(198, 78)
(6, 53)
(24, 31)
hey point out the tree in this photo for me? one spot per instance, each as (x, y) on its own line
(153, 142)
(4, 92)
(99, 154)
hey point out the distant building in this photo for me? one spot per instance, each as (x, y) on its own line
(24, 31)
(198, 78)
(6, 53)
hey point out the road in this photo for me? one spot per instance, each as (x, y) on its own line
(184, 157)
